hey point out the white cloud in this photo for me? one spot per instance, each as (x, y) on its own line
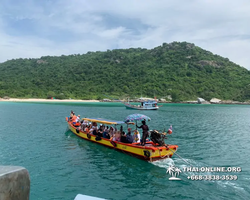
(32, 28)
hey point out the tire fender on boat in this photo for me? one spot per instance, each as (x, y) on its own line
(77, 130)
(88, 136)
(147, 153)
(98, 138)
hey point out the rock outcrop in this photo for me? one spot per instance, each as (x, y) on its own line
(202, 101)
(215, 100)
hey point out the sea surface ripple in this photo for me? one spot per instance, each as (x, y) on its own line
(61, 165)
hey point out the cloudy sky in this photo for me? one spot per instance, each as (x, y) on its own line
(35, 28)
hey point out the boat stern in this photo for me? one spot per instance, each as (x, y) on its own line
(163, 152)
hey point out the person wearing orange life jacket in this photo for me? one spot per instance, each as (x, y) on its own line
(74, 118)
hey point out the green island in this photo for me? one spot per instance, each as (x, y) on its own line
(178, 71)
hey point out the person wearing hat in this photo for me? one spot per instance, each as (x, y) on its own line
(145, 130)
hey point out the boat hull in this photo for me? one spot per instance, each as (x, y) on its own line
(149, 152)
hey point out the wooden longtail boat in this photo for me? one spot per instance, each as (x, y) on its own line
(150, 152)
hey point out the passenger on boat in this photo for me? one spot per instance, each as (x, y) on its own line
(77, 122)
(71, 115)
(111, 132)
(94, 128)
(117, 136)
(106, 133)
(136, 136)
(145, 130)
(84, 124)
(74, 119)
(106, 129)
(121, 129)
(123, 137)
(87, 128)
(129, 137)
(94, 124)
(100, 131)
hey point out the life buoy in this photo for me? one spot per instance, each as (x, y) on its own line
(113, 143)
(88, 135)
(146, 153)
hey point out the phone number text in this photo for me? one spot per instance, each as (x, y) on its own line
(213, 177)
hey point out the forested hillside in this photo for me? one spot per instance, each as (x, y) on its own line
(181, 70)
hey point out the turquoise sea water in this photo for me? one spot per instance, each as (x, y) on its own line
(61, 165)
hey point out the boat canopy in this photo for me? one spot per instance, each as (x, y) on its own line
(150, 101)
(104, 121)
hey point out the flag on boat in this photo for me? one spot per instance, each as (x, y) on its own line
(170, 130)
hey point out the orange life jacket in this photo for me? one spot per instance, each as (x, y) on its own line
(74, 118)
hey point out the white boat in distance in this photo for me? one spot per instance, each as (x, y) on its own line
(145, 105)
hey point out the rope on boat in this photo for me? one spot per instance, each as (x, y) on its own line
(181, 158)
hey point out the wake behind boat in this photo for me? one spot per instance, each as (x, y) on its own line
(153, 150)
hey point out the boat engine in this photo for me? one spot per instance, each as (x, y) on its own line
(157, 138)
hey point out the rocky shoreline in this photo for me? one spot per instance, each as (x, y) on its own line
(222, 102)
(199, 101)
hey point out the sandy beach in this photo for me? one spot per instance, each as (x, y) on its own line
(46, 100)
(90, 101)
